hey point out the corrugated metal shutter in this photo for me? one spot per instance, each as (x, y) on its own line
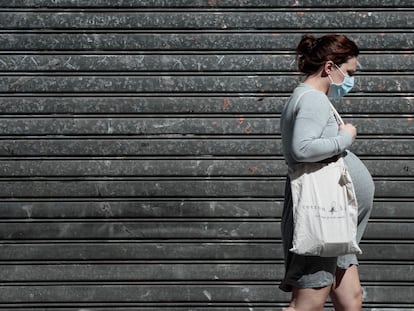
(141, 163)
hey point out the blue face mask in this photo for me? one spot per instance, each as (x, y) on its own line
(339, 90)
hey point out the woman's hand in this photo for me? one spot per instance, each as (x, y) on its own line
(350, 129)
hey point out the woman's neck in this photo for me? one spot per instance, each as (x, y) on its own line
(317, 82)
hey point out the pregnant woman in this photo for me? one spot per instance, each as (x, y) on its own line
(311, 133)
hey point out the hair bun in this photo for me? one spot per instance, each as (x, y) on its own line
(306, 45)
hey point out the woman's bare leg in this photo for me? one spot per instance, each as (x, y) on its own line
(308, 299)
(346, 293)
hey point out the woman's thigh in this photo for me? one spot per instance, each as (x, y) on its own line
(309, 299)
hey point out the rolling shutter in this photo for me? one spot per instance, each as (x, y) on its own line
(140, 153)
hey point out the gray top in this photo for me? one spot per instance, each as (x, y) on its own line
(311, 134)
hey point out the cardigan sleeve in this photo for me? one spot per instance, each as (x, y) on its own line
(312, 114)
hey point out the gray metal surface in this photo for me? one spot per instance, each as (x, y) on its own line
(140, 153)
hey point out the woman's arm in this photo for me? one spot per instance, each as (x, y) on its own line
(313, 113)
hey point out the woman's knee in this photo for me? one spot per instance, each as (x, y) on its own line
(351, 302)
(347, 292)
(354, 304)
(357, 301)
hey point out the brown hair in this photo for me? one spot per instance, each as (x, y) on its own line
(313, 52)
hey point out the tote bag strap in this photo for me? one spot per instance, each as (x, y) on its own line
(337, 116)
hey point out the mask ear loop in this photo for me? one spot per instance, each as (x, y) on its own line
(329, 75)
(336, 113)
(332, 81)
(339, 68)
(330, 78)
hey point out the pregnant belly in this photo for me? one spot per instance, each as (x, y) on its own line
(362, 180)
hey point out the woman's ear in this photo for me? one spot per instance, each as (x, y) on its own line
(328, 67)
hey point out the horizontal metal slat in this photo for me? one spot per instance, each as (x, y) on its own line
(145, 209)
(203, 4)
(223, 250)
(185, 42)
(139, 230)
(236, 125)
(148, 230)
(142, 209)
(208, 146)
(210, 307)
(143, 188)
(150, 188)
(185, 63)
(175, 293)
(206, 20)
(147, 126)
(386, 252)
(162, 167)
(148, 84)
(390, 209)
(178, 167)
(138, 293)
(259, 84)
(125, 147)
(192, 251)
(120, 272)
(190, 105)
(181, 272)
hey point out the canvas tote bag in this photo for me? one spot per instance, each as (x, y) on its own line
(325, 210)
